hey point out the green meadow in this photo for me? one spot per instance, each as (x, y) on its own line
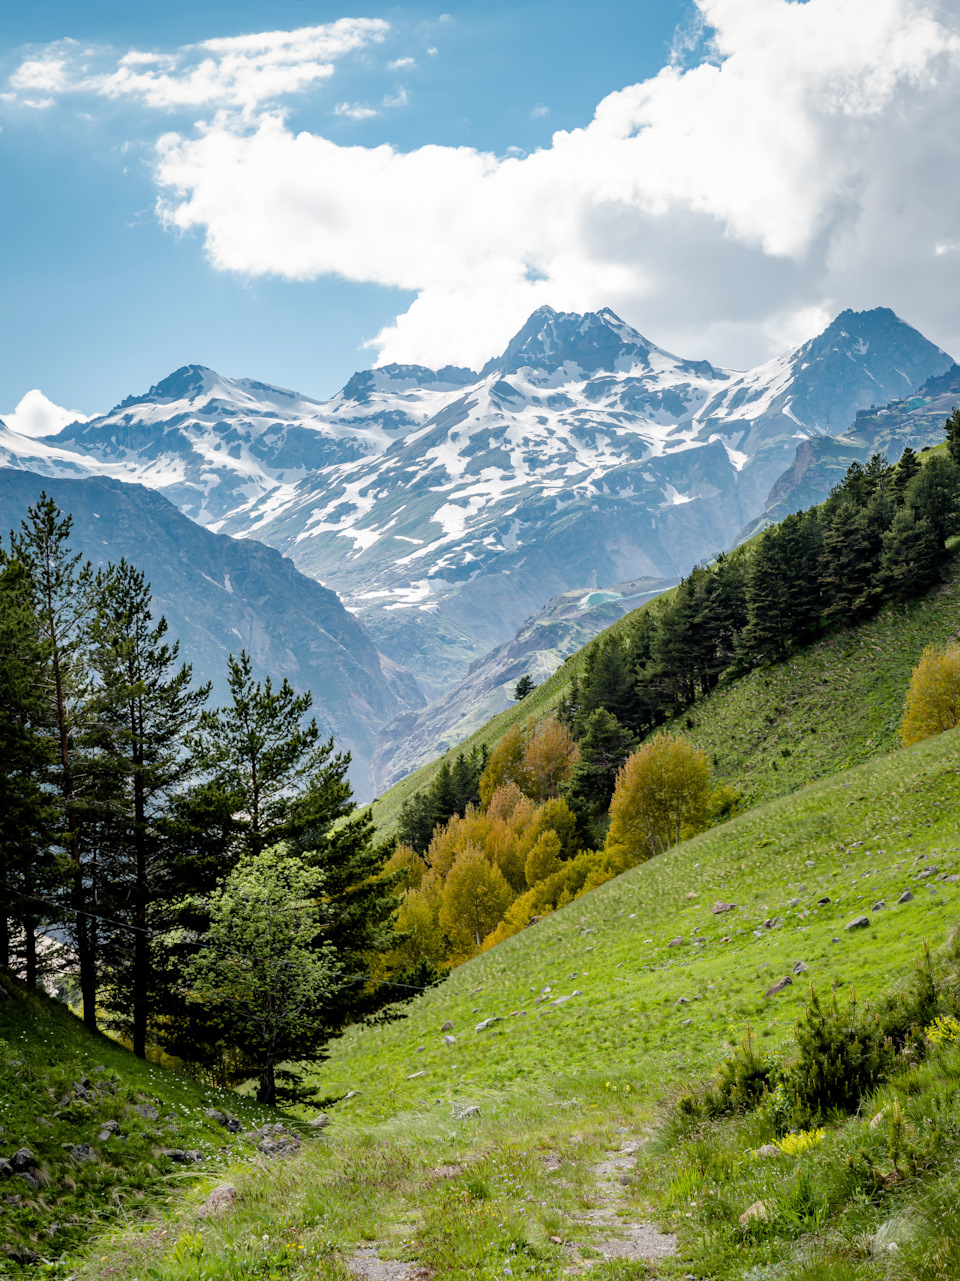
(600, 1025)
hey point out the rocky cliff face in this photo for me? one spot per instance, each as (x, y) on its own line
(222, 594)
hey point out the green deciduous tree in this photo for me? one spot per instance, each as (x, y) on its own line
(261, 964)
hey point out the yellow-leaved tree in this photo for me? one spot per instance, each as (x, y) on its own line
(933, 697)
(475, 897)
(662, 796)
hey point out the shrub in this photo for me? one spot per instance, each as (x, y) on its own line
(841, 1058)
(933, 697)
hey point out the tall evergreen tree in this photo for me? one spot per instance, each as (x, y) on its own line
(903, 473)
(934, 494)
(259, 751)
(147, 709)
(28, 868)
(911, 556)
(952, 429)
(63, 596)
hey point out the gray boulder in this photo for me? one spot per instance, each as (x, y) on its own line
(905, 897)
(785, 982)
(858, 923)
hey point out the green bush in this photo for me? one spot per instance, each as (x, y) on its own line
(841, 1057)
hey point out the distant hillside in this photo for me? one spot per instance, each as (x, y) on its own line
(541, 645)
(222, 594)
(820, 461)
(830, 705)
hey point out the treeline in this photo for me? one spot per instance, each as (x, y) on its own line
(880, 536)
(128, 806)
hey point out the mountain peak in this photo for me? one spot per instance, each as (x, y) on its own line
(594, 341)
(186, 383)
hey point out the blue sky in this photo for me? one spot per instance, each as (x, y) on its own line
(103, 301)
(187, 183)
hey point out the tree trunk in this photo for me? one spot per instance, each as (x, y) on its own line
(30, 952)
(267, 1092)
(140, 949)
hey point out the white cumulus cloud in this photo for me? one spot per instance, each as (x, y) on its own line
(791, 159)
(808, 162)
(36, 415)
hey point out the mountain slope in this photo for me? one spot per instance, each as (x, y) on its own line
(828, 706)
(821, 461)
(447, 507)
(541, 645)
(222, 594)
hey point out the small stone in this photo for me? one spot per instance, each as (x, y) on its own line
(686, 1022)
(482, 1027)
(23, 1159)
(834, 940)
(951, 880)
(878, 906)
(858, 923)
(822, 902)
(83, 1152)
(905, 897)
(769, 1150)
(794, 902)
(556, 1240)
(220, 1199)
(147, 1111)
(720, 906)
(809, 863)
(350, 1094)
(674, 942)
(785, 982)
(756, 1211)
(447, 1027)
(319, 1122)
(181, 1156)
(800, 968)
(461, 1113)
(421, 1048)
(683, 1001)
(449, 1040)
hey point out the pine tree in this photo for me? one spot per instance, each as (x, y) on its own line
(147, 708)
(604, 746)
(934, 494)
(911, 556)
(259, 751)
(904, 472)
(63, 596)
(851, 558)
(952, 429)
(27, 833)
(766, 637)
(524, 687)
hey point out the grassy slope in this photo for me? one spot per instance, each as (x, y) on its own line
(829, 706)
(45, 1051)
(610, 1054)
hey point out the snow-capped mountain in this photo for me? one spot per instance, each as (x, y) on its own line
(213, 445)
(446, 507)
